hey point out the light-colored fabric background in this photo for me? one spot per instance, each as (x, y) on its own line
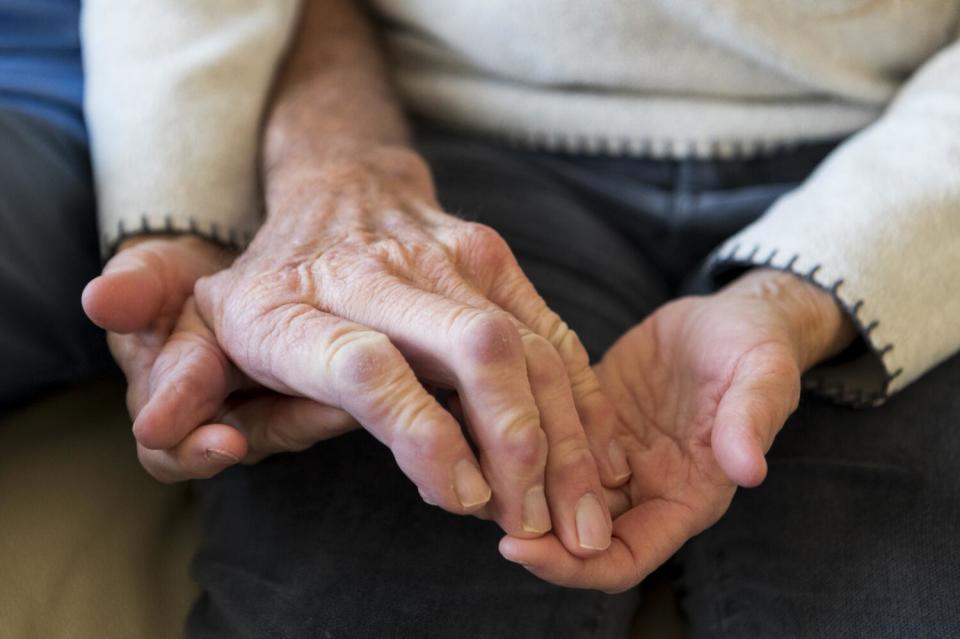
(90, 545)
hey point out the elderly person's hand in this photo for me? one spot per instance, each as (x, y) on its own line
(359, 289)
(701, 388)
(178, 378)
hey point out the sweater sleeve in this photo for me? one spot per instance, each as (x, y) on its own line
(174, 99)
(878, 226)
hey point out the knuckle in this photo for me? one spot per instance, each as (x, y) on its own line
(585, 385)
(489, 338)
(571, 350)
(486, 237)
(485, 247)
(572, 455)
(423, 439)
(523, 440)
(361, 359)
(568, 344)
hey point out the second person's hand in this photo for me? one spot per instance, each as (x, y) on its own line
(701, 387)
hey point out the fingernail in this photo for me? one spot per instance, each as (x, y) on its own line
(592, 529)
(221, 456)
(618, 460)
(536, 514)
(471, 488)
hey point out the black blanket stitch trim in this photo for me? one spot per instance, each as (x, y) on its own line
(231, 240)
(834, 390)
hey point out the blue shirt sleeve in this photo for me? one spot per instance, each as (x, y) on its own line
(41, 71)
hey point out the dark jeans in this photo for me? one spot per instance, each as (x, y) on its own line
(48, 252)
(852, 535)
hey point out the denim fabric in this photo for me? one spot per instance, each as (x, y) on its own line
(48, 241)
(48, 252)
(854, 533)
(40, 61)
(851, 535)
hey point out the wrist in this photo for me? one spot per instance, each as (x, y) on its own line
(351, 169)
(813, 320)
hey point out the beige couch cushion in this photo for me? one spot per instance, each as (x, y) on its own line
(90, 545)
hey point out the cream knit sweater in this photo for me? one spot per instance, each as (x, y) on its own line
(176, 91)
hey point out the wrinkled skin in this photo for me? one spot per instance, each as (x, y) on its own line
(176, 372)
(359, 289)
(361, 292)
(701, 388)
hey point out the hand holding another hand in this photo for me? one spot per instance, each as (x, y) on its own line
(701, 389)
(358, 289)
(178, 378)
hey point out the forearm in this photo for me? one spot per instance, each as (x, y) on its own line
(333, 99)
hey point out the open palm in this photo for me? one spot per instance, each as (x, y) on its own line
(700, 389)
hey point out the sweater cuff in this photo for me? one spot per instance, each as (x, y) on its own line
(864, 374)
(175, 97)
(233, 235)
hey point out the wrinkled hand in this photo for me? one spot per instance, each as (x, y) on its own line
(178, 377)
(701, 388)
(358, 290)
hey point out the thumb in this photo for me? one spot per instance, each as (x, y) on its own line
(763, 392)
(148, 274)
(129, 295)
